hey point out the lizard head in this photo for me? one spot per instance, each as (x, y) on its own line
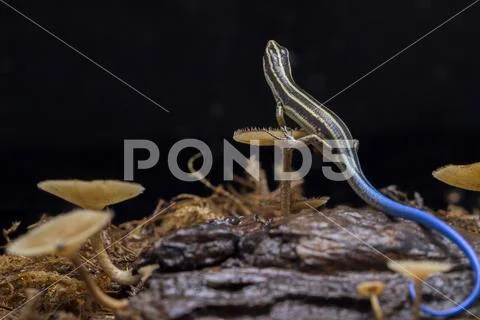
(276, 68)
(276, 60)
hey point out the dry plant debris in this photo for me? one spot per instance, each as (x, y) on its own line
(64, 294)
(64, 235)
(461, 218)
(245, 197)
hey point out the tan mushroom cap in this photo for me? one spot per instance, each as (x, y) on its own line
(95, 194)
(309, 203)
(370, 288)
(264, 136)
(418, 270)
(62, 235)
(462, 176)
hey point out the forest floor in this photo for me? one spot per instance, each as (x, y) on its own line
(236, 255)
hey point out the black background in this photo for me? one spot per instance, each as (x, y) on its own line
(63, 117)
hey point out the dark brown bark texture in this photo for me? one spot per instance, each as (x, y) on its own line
(305, 266)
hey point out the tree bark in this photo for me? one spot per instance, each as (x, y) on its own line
(305, 266)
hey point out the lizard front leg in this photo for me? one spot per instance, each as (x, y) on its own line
(280, 115)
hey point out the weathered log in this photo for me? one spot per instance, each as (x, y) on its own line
(305, 266)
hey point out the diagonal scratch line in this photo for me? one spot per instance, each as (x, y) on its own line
(89, 260)
(399, 52)
(389, 259)
(84, 56)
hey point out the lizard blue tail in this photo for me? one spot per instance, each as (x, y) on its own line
(373, 197)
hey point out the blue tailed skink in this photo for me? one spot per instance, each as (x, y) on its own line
(318, 120)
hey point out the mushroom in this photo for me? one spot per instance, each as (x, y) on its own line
(309, 203)
(96, 195)
(64, 235)
(264, 136)
(462, 176)
(267, 137)
(93, 195)
(371, 290)
(418, 271)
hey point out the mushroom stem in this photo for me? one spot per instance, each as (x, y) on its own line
(95, 290)
(418, 299)
(285, 185)
(124, 277)
(418, 272)
(377, 309)
(372, 289)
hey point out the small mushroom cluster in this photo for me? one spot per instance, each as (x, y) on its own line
(65, 234)
(417, 271)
